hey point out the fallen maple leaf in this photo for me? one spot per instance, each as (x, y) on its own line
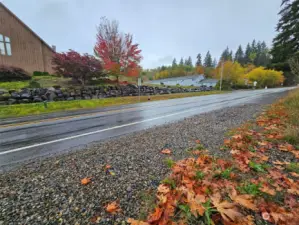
(166, 151)
(237, 136)
(85, 180)
(197, 141)
(163, 189)
(244, 200)
(136, 222)
(294, 174)
(277, 162)
(227, 210)
(113, 207)
(267, 190)
(155, 216)
(226, 141)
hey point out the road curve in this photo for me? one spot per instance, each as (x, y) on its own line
(22, 142)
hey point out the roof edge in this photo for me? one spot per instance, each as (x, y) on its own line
(27, 27)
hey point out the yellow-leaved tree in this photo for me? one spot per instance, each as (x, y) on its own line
(264, 77)
(233, 72)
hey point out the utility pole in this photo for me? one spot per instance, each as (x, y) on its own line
(221, 77)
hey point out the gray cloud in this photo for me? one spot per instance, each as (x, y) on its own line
(164, 29)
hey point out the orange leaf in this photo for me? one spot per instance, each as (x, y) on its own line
(244, 200)
(113, 207)
(237, 136)
(226, 141)
(267, 190)
(156, 215)
(166, 151)
(85, 180)
(163, 189)
(294, 174)
(280, 163)
(227, 210)
(197, 141)
(136, 222)
(107, 166)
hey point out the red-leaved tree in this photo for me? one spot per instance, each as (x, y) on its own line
(116, 50)
(81, 68)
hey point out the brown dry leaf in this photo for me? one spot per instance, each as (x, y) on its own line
(244, 200)
(277, 162)
(163, 189)
(162, 199)
(267, 190)
(155, 216)
(166, 151)
(136, 222)
(113, 207)
(263, 143)
(226, 141)
(228, 210)
(85, 180)
(237, 136)
(296, 153)
(294, 174)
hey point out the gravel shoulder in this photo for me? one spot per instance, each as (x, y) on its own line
(49, 191)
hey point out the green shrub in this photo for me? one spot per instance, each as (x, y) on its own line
(38, 73)
(34, 84)
(8, 74)
(226, 86)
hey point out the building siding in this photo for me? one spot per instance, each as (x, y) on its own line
(28, 51)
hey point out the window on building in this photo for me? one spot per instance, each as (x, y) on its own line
(5, 46)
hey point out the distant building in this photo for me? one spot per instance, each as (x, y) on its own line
(182, 81)
(208, 82)
(21, 47)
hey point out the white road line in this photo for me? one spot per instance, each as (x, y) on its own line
(111, 128)
(93, 132)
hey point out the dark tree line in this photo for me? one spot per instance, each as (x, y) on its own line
(285, 49)
(256, 53)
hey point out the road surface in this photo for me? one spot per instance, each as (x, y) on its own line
(21, 142)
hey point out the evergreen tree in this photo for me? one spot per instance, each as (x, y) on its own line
(230, 56)
(225, 55)
(286, 43)
(208, 60)
(186, 62)
(215, 63)
(182, 62)
(253, 46)
(262, 57)
(239, 56)
(247, 54)
(174, 63)
(189, 61)
(198, 62)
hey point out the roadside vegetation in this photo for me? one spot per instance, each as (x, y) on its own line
(39, 108)
(257, 183)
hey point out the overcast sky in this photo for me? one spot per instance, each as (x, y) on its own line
(164, 28)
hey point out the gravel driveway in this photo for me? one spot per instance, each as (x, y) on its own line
(49, 191)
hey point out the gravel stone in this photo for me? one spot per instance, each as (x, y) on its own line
(49, 191)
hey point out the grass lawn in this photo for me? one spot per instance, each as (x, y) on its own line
(44, 81)
(38, 108)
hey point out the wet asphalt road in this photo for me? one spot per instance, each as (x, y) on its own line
(23, 142)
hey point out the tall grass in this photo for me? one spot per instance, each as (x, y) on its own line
(291, 103)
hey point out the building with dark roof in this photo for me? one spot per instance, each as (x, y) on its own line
(192, 80)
